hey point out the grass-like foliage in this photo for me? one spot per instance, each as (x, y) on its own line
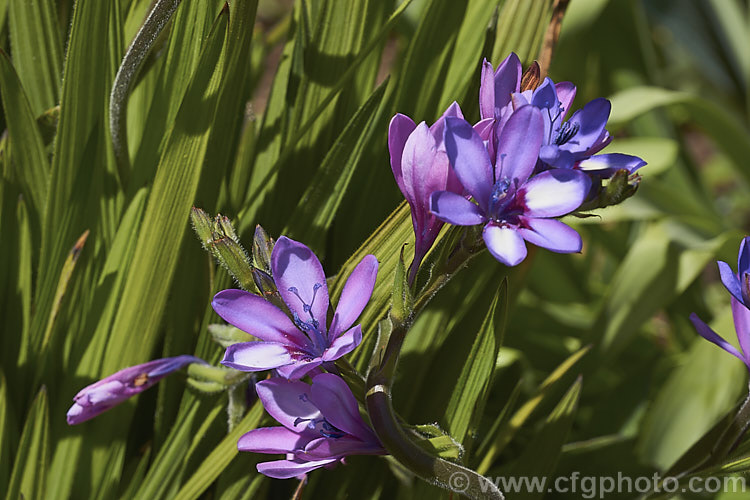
(120, 117)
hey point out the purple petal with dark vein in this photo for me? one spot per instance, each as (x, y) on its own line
(299, 369)
(731, 283)
(355, 296)
(487, 91)
(505, 244)
(707, 333)
(467, 154)
(256, 356)
(741, 315)
(257, 317)
(343, 344)
(518, 144)
(455, 209)
(400, 128)
(566, 92)
(287, 469)
(339, 406)
(507, 81)
(610, 163)
(272, 440)
(344, 446)
(591, 121)
(554, 192)
(289, 403)
(300, 280)
(552, 235)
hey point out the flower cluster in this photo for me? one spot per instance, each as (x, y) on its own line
(515, 172)
(518, 169)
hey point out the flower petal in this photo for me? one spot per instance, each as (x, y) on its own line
(507, 81)
(518, 144)
(300, 280)
(610, 163)
(566, 92)
(355, 296)
(552, 235)
(338, 405)
(272, 440)
(743, 257)
(467, 154)
(487, 91)
(707, 333)
(591, 121)
(505, 244)
(343, 446)
(455, 209)
(257, 317)
(289, 403)
(741, 315)
(400, 128)
(287, 469)
(437, 129)
(731, 283)
(554, 192)
(344, 344)
(256, 356)
(298, 369)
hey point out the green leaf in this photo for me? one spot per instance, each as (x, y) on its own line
(723, 127)
(470, 393)
(28, 479)
(30, 163)
(402, 301)
(689, 402)
(520, 28)
(542, 394)
(316, 209)
(37, 50)
(165, 220)
(7, 434)
(220, 457)
(540, 456)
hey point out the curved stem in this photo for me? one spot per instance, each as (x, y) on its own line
(126, 74)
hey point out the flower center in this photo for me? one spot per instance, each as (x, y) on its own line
(745, 287)
(566, 132)
(321, 425)
(502, 198)
(311, 327)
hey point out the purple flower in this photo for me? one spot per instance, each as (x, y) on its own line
(420, 166)
(296, 346)
(512, 206)
(573, 143)
(738, 284)
(741, 315)
(113, 390)
(321, 425)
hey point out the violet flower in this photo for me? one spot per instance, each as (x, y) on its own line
(113, 390)
(512, 206)
(738, 284)
(321, 425)
(573, 143)
(741, 315)
(296, 346)
(420, 166)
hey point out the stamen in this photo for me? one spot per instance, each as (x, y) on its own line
(567, 132)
